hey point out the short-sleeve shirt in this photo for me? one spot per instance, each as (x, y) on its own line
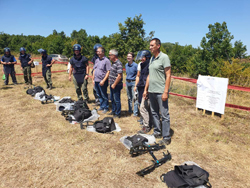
(131, 71)
(116, 69)
(157, 77)
(101, 67)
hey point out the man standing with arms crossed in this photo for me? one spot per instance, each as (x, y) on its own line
(157, 89)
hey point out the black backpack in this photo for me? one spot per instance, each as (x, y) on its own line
(35, 90)
(186, 176)
(66, 100)
(137, 140)
(106, 125)
(80, 104)
(81, 114)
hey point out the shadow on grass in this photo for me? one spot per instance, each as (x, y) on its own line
(6, 87)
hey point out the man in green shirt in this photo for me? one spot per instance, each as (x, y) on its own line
(157, 90)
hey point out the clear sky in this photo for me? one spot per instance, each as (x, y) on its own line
(183, 21)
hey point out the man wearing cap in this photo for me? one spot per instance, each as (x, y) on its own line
(157, 89)
(26, 61)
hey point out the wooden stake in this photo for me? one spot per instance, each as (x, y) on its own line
(222, 117)
(204, 111)
(212, 114)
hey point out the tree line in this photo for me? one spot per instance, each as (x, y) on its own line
(216, 55)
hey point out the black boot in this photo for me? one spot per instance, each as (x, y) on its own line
(50, 86)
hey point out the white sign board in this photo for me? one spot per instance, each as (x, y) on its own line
(211, 93)
(36, 63)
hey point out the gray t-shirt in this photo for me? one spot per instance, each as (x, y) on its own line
(157, 77)
(116, 69)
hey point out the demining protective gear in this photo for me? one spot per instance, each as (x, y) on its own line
(96, 46)
(46, 60)
(22, 49)
(143, 53)
(9, 68)
(77, 47)
(6, 50)
(25, 59)
(79, 66)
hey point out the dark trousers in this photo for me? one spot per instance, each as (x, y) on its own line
(103, 95)
(157, 106)
(13, 76)
(115, 95)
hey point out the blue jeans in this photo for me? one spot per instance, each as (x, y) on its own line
(130, 93)
(156, 105)
(102, 94)
(115, 96)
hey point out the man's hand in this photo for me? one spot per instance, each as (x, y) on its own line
(48, 65)
(101, 83)
(9, 63)
(113, 86)
(69, 78)
(21, 68)
(86, 77)
(164, 96)
(135, 89)
(145, 94)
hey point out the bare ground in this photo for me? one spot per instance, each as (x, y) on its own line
(38, 148)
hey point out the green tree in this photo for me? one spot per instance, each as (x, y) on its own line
(217, 42)
(239, 50)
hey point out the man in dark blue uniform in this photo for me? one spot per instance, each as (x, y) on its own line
(46, 67)
(26, 61)
(8, 62)
(80, 69)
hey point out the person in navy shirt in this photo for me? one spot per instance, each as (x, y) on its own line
(8, 62)
(26, 61)
(80, 69)
(46, 67)
(131, 71)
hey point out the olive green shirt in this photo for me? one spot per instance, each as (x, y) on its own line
(157, 77)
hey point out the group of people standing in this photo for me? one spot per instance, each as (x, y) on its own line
(147, 83)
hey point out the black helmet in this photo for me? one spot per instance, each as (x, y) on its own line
(6, 49)
(42, 51)
(77, 47)
(97, 46)
(22, 49)
(143, 53)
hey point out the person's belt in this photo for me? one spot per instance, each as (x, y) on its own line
(130, 81)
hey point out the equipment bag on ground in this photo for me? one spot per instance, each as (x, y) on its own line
(81, 114)
(34, 90)
(186, 176)
(106, 125)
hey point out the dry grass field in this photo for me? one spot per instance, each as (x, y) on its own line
(38, 148)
